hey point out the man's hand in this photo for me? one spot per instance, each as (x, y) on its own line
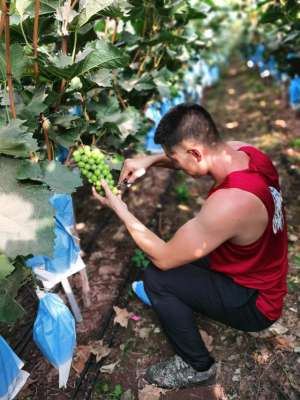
(114, 202)
(133, 168)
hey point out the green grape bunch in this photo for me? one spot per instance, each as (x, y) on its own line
(92, 164)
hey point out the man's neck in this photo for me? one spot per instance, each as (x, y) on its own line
(225, 160)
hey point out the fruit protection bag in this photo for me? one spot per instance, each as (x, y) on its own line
(12, 377)
(54, 333)
(63, 205)
(66, 252)
(294, 92)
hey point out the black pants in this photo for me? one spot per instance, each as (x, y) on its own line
(176, 293)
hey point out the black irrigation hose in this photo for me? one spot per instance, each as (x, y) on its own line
(91, 371)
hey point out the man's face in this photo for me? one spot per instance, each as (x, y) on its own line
(189, 157)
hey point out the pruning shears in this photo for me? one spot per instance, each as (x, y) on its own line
(123, 185)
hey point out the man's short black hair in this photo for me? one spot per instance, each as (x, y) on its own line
(186, 121)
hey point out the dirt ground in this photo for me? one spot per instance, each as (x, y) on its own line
(247, 108)
(264, 366)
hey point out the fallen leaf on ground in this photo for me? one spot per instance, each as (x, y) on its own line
(122, 316)
(278, 329)
(144, 333)
(207, 339)
(150, 392)
(99, 349)
(219, 392)
(283, 343)
(262, 357)
(128, 395)
(82, 355)
(109, 368)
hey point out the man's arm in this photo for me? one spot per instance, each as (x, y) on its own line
(216, 222)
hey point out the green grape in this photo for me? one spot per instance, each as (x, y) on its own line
(76, 153)
(92, 164)
(87, 150)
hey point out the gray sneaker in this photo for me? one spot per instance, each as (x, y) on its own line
(175, 373)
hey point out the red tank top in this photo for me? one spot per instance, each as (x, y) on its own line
(262, 264)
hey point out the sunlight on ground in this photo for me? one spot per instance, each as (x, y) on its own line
(269, 140)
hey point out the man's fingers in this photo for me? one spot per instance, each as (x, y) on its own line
(97, 195)
(124, 175)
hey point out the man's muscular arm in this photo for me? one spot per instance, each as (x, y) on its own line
(216, 222)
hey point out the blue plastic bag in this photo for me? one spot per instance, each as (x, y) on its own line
(294, 91)
(63, 205)
(12, 378)
(54, 333)
(66, 252)
(61, 154)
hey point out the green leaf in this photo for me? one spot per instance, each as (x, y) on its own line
(15, 140)
(130, 122)
(108, 110)
(6, 267)
(21, 6)
(67, 138)
(17, 58)
(102, 78)
(60, 178)
(88, 8)
(100, 55)
(104, 55)
(10, 310)
(145, 83)
(26, 216)
(30, 170)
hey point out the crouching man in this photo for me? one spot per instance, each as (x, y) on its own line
(229, 262)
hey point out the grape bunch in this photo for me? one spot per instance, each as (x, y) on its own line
(91, 162)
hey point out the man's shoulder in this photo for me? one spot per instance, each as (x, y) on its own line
(232, 201)
(235, 144)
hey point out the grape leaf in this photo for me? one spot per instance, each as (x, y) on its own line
(15, 140)
(5, 266)
(10, 310)
(26, 216)
(60, 178)
(102, 78)
(88, 8)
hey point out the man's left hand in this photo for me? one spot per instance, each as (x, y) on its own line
(114, 202)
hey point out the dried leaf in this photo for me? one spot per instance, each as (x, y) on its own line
(109, 368)
(278, 329)
(82, 355)
(122, 316)
(262, 357)
(99, 349)
(207, 340)
(144, 333)
(283, 343)
(150, 392)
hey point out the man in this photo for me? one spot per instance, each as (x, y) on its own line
(229, 262)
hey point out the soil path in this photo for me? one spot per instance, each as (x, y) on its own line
(250, 367)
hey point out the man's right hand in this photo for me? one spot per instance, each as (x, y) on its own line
(133, 168)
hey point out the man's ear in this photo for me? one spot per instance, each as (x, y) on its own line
(196, 154)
